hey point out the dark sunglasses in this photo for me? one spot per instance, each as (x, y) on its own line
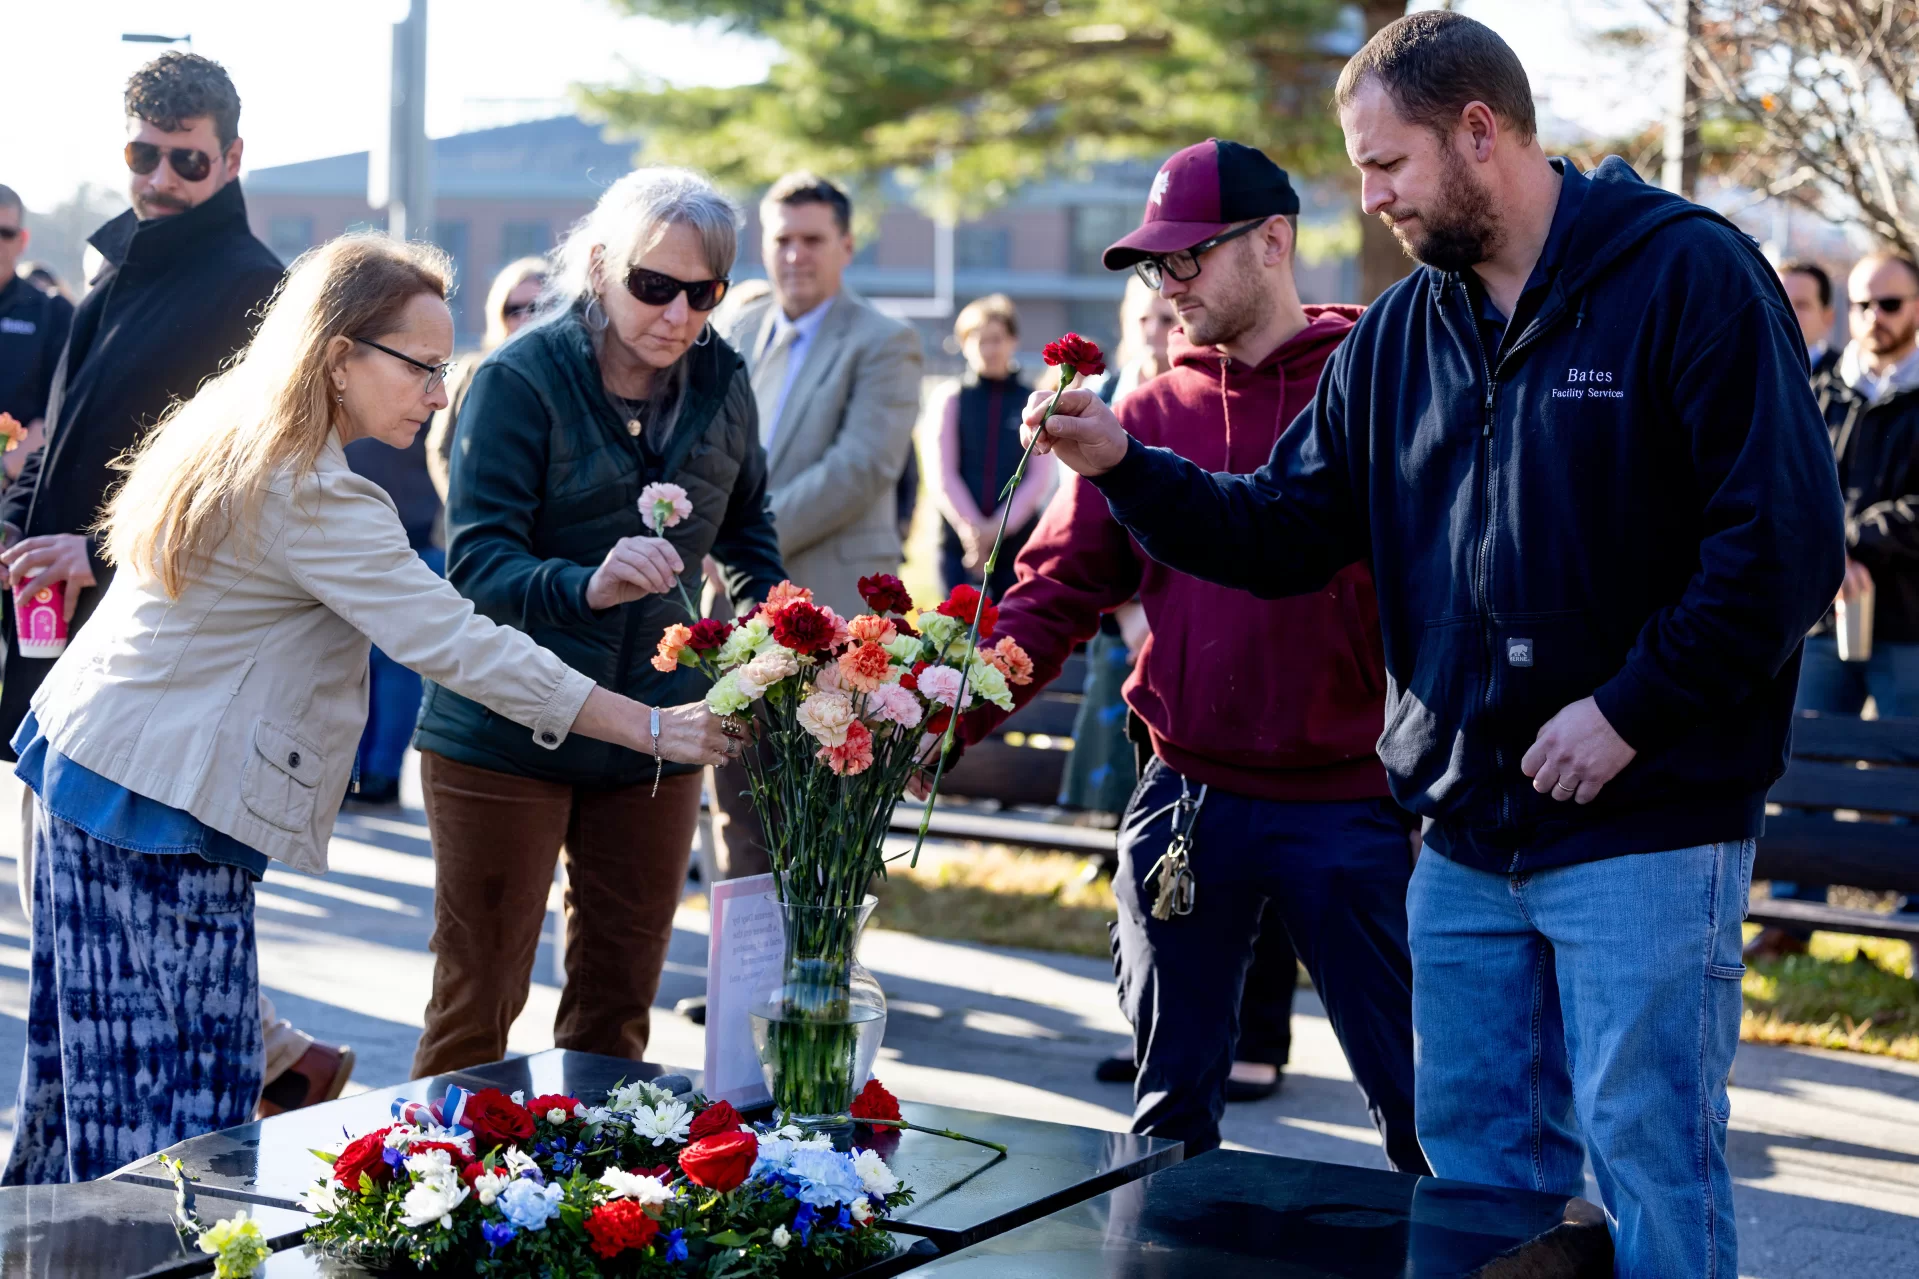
(1184, 265)
(656, 289)
(1887, 306)
(192, 166)
(9, 233)
(435, 373)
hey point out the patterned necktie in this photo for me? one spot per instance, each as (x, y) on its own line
(769, 375)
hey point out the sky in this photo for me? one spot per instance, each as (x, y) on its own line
(312, 76)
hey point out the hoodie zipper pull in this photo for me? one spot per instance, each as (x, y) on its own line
(1492, 389)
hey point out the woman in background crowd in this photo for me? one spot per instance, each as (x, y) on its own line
(205, 719)
(618, 384)
(978, 447)
(510, 303)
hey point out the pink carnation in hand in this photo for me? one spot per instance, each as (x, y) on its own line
(890, 703)
(664, 505)
(941, 684)
(853, 755)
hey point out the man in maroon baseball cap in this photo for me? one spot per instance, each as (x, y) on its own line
(1261, 714)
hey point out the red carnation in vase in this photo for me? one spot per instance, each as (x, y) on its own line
(962, 604)
(365, 1155)
(874, 1102)
(803, 628)
(716, 1118)
(618, 1225)
(708, 633)
(722, 1161)
(1077, 354)
(885, 593)
(496, 1119)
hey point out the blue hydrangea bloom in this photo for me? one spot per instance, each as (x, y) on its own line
(826, 1178)
(498, 1234)
(527, 1205)
(676, 1246)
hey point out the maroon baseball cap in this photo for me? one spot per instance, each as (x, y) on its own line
(1200, 192)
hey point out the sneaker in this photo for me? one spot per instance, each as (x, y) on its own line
(318, 1076)
(1773, 943)
(693, 1008)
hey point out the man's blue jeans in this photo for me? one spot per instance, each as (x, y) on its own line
(393, 705)
(1600, 1001)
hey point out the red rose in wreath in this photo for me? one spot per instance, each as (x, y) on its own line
(722, 1161)
(717, 1118)
(366, 1155)
(496, 1118)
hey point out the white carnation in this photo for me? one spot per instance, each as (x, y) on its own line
(432, 1199)
(878, 1179)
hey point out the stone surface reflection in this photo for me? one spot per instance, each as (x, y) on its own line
(113, 1228)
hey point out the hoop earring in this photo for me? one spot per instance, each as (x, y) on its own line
(706, 335)
(597, 324)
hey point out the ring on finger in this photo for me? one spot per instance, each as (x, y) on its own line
(1567, 784)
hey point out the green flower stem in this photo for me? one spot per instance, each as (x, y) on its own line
(947, 1133)
(1068, 375)
(692, 614)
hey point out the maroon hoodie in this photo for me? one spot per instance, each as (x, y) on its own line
(1277, 699)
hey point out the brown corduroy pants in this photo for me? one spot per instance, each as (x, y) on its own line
(495, 837)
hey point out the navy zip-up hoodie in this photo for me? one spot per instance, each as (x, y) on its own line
(1634, 501)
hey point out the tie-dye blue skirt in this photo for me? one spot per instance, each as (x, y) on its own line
(143, 1008)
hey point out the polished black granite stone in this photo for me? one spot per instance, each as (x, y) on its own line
(963, 1192)
(112, 1228)
(1234, 1214)
(908, 1254)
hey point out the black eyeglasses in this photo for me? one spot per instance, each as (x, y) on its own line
(655, 289)
(192, 166)
(435, 373)
(1887, 306)
(1184, 265)
(514, 310)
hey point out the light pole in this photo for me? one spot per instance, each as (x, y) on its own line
(1680, 171)
(400, 173)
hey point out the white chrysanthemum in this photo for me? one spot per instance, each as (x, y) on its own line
(642, 1189)
(638, 1095)
(670, 1121)
(879, 1180)
(433, 1132)
(431, 1164)
(432, 1199)
(487, 1186)
(400, 1136)
(321, 1197)
(862, 1210)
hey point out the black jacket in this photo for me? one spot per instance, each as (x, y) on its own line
(1877, 447)
(33, 330)
(1635, 501)
(178, 297)
(544, 479)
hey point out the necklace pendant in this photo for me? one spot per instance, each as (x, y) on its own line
(633, 427)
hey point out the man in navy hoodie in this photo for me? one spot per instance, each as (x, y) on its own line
(1581, 455)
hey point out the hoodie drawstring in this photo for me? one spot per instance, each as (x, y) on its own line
(1226, 410)
(1581, 318)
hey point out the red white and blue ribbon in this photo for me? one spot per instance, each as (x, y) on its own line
(450, 1113)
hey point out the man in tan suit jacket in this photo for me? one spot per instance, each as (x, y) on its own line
(838, 389)
(838, 386)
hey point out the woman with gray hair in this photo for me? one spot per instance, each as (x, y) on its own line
(617, 384)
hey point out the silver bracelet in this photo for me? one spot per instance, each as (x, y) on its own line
(659, 760)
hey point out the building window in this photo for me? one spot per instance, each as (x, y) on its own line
(982, 248)
(1094, 227)
(289, 235)
(525, 240)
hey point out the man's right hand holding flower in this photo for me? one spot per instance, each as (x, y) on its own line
(1082, 433)
(635, 567)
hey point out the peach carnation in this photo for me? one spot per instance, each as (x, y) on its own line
(671, 643)
(854, 755)
(827, 717)
(766, 670)
(1011, 659)
(782, 595)
(871, 629)
(865, 668)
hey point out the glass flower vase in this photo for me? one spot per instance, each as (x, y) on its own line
(819, 1019)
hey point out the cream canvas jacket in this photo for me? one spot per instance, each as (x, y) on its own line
(242, 701)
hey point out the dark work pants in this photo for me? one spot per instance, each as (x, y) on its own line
(1266, 1004)
(1334, 876)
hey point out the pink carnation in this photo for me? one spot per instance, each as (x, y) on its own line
(827, 716)
(868, 628)
(842, 634)
(827, 679)
(782, 595)
(893, 704)
(854, 755)
(941, 684)
(664, 505)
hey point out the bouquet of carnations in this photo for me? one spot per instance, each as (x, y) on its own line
(646, 1184)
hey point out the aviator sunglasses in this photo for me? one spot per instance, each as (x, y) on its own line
(656, 289)
(192, 166)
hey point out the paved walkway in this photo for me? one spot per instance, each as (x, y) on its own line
(1825, 1146)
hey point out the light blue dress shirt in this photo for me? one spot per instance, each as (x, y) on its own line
(803, 329)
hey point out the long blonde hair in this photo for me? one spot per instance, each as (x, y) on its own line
(511, 277)
(203, 472)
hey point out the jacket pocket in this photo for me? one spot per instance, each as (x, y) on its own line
(1426, 744)
(1542, 663)
(282, 778)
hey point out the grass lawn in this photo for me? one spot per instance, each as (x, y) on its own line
(1849, 992)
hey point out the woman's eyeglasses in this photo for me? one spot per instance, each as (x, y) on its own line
(435, 373)
(1887, 306)
(656, 289)
(514, 310)
(1184, 265)
(192, 166)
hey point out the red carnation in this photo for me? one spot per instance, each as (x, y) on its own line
(885, 593)
(719, 1117)
(552, 1101)
(366, 1155)
(473, 1172)
(421, 1147)
(707, 633)
(1081, 355)
(963, 602)
(803, 628)
(618, 1225)
(496, 1119)
(936, 722)
(722, 1161)
(874, 1102)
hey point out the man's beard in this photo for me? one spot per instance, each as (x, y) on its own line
(1460, 229)
(1234, 306)
(159, 206)
(1884, 341)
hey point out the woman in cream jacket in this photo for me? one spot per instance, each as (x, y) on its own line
(206, 719)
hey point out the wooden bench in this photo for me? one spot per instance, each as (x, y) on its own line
(1866, 772)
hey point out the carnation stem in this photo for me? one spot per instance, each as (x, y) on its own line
(947, 1133)
(686, 601)
(1067, 376)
